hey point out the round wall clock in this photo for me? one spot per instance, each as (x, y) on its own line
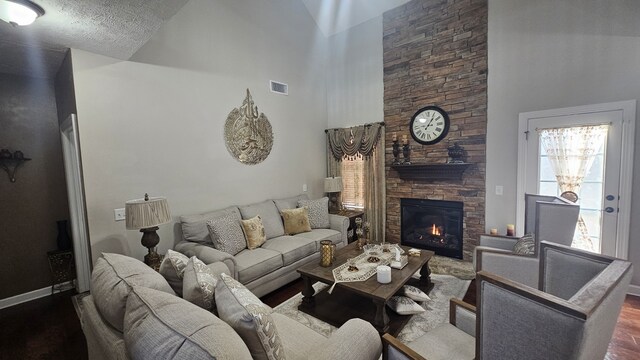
(429, 125)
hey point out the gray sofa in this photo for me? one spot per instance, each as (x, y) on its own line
(274, 264)
(132, 313)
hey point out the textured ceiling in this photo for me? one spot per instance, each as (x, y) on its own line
(334, 16)
(115, 28)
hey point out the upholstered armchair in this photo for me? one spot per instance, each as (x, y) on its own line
(571, 314)
(549, 218)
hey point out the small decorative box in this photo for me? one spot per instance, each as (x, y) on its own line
(404, 260)
(414, 252)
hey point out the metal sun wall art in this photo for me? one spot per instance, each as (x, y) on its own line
(248, 136)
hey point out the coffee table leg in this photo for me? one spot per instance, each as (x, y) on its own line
(381, 321)
(425, 276)
(308, 292)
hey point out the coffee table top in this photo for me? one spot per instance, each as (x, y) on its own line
(371, 287)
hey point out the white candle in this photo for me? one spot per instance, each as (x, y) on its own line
(384, 274)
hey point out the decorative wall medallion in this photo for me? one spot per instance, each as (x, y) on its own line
(248, 137)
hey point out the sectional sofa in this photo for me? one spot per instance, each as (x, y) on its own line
(272, 265)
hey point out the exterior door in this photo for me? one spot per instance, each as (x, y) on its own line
(600, 195)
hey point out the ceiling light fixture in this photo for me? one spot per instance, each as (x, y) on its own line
(19, 12)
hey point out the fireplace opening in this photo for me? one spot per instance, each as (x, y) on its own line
(432, 225)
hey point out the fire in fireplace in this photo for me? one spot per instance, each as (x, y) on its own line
(433, 225)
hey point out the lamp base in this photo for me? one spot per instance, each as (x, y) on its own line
(333, 202)
(150, 240)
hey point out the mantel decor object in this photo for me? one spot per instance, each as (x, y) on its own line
(406, 152)
(10, 162)
(396, 150)
(146, 215)
(248, 136)
(456, 154)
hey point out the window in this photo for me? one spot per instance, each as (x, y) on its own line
(353, 183)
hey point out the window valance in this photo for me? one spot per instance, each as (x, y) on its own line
(354, 141)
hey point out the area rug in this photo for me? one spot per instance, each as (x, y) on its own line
(449, 266)
(437, 309)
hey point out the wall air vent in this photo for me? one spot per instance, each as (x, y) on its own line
(279, 88)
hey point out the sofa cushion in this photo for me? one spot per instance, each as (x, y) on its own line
(250, 318)
(292, 248)
(162, 326)
(194, 227)
(290, 202)
(253, 232)
(252, 264)
(111, 281)
(199, 284)
(172, 268)
(226, 233)
(270, 217)
(295, 221)
(318, 212)
(322, 234)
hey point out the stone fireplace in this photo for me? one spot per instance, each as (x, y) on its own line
(432, 225)
(435, 53)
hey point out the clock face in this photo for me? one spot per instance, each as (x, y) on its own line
(429, 125)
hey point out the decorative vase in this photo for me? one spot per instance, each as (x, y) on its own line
(63, 240)
(456, 153)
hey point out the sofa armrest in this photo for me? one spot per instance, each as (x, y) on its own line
(524, 269)
(340, 223)
(355, 340)
(463, 316)
(103, 341)
(208, 255)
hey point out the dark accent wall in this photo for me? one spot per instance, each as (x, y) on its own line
(435, 53)
(30, 207)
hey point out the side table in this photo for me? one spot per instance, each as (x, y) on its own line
(352, 215)
(62, 267)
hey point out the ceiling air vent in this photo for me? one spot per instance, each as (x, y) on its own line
(278, 87)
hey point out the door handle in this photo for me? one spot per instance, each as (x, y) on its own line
(610, 197)
(609, 209)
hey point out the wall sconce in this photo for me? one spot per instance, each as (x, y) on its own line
(10, 162)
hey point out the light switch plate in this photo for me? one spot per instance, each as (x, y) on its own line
(119, 214)
(304, 187)
(499, 189)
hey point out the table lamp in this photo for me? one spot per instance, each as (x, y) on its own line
(333, 186)
(146, 215)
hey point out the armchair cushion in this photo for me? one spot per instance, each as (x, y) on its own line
(445, 342)
(526, 245)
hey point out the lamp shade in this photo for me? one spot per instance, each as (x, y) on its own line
(143, 213)
(332, 184)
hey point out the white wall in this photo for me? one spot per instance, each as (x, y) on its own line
(552, 54)
(355, 87)
(155, 124)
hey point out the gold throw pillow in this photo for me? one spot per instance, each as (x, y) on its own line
(254, 232)
(296, 221)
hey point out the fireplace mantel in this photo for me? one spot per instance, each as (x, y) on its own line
(431, 172)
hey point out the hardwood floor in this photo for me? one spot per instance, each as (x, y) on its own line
(48, 328)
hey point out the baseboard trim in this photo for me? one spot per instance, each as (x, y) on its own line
(33, 295)
(634, 290)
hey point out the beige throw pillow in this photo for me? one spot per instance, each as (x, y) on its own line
(172, 268)
(296, 221)
(254, 232)
(249, 317)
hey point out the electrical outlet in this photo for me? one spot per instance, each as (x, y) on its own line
(304, 187)
(119, 214)
(499, 189)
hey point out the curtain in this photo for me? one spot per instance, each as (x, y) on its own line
(571, 152)
(366, 141)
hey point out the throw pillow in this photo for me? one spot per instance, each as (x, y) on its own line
(111, 282)
(526, 245)
(254, 232)
(172, 268)
(318, 212)
(163, 326)
(226, 234)
(414, 293)
(296, 221)
(249, 317)
(404, 306)
(199, 284)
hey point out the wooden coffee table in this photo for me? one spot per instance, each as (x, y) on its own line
(362, 299)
